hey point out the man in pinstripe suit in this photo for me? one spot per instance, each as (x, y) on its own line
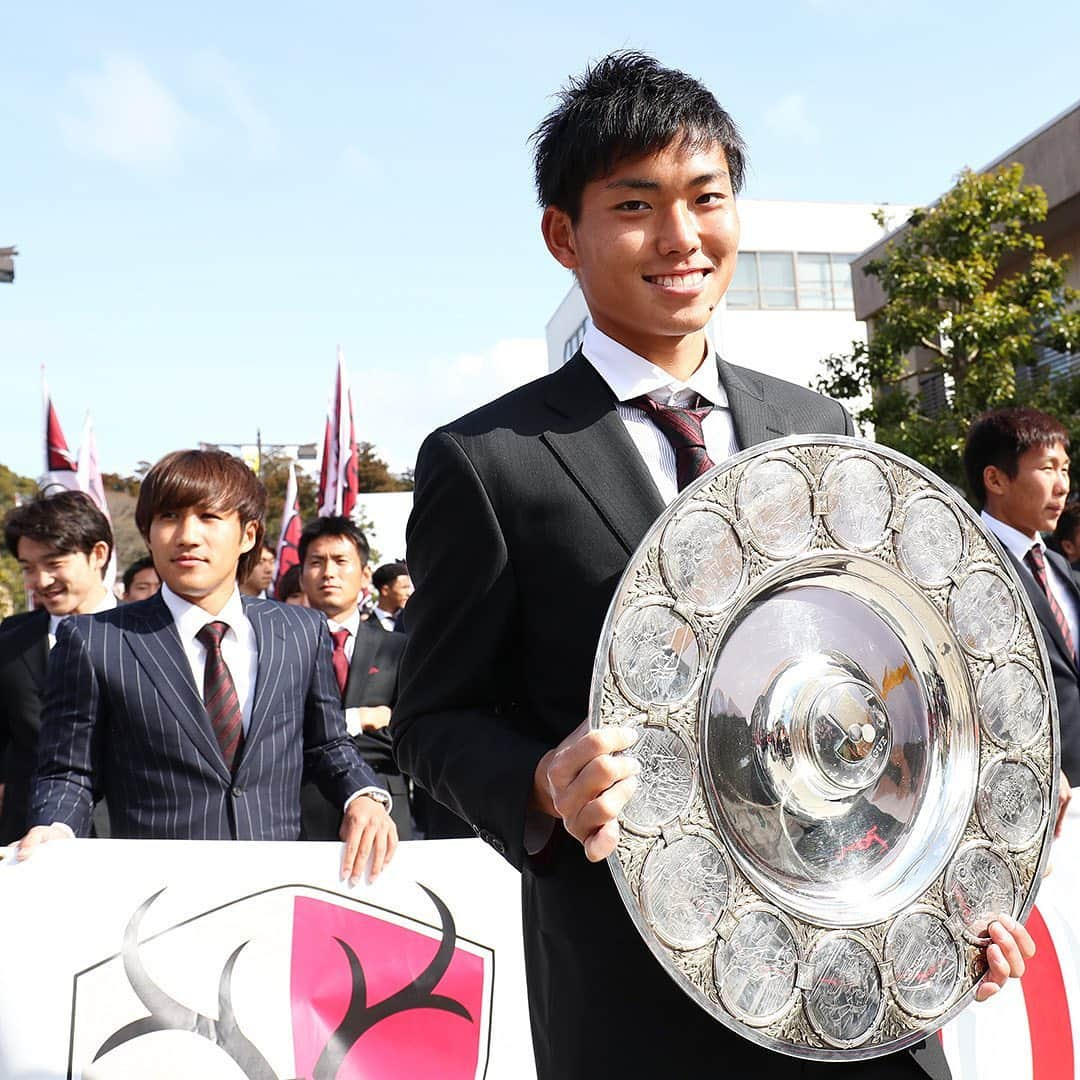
(197, 712)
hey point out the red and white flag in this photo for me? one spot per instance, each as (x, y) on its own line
(60, 466)
(339, 481)
(288, 554)
(88, 474)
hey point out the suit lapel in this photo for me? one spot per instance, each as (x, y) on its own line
(1042, 608)
(270, 643)
(364, 649)
(591, 443)
(155, 641)
(754, 419)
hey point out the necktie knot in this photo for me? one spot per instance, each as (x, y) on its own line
(1035, 557)
(683, 427)
(340, 637)
(212, 634)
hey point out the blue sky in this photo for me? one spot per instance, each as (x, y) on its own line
(207, 198)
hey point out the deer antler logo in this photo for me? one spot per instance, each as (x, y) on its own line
(167, 1014)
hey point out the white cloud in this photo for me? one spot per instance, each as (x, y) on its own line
(128, 116)
(788, 118)
(219, 77)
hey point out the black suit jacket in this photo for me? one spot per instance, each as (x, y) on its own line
(123, 715)
(373, 680)
(525, 514)
(24, 659)
(1062, 662)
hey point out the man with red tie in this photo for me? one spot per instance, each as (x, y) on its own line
(198, 711)
(334, 569)
(1017, 467)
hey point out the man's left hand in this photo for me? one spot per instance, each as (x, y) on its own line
(367, 829)
(1006, 956)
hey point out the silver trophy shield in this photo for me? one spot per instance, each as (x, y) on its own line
(848, 744)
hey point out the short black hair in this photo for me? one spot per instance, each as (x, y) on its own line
(1067, 524)
(387, 574)
(145, 563)
(289, 584)
(66, 521)
(625, 106)
(334, 525)
(1000, 437)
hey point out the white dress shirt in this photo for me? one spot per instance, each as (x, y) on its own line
(239, 649)
(1019, 544)
(107, 603)
(352, 624)
(386, 618)
(630, 375)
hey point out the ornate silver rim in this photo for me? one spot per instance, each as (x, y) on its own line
(790, 1028)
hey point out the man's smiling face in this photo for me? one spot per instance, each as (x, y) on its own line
(654, 245)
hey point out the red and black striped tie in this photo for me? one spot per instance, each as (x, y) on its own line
(219, 694)
(683, 429)
(1037, 562)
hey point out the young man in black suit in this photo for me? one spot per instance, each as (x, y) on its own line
(637, 170)
(334, 568)
(197, 711)
(1017, 466)
(63, 543)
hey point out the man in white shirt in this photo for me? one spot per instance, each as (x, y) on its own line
(198, 711)
(393, 587)
(1017, 466)
(63, 543)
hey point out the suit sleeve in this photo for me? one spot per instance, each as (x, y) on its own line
(330, 756)
(69, 748)
(456, 728)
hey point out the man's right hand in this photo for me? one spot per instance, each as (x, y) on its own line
(585, 783)
(40, 834)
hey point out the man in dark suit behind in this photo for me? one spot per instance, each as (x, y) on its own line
(334, 567)
(1017, 466)
(195, 711)
(525, 514)
(63, 543)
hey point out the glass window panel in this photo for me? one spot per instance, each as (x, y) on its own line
(777, 271)
(841, 268)
(743, 290)
(815, 281)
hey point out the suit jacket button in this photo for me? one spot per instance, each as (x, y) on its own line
(236, 791)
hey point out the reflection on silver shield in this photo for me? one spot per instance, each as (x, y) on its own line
(684, 890)
(930, 544)
(774, 500)
(859, 501)
(755, 969)
(1011, 803)
(846, 996)
(925, 963)
(978, 886)
(665, 783)
(984, 613)
(703, 560)
(655, 654)
(1012, 705)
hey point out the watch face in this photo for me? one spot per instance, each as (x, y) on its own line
(848, 749)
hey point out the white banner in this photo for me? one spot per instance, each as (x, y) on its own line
(174, 960)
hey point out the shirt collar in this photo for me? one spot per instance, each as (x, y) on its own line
(1016, 542)
(352, 623)
(190, 618)
(106, 603)
(630, 375)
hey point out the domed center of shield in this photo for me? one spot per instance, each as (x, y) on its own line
(848, 735)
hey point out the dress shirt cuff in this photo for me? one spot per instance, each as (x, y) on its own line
(376, 793)
(66, 827)
(538, 829)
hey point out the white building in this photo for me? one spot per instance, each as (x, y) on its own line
(790, 303)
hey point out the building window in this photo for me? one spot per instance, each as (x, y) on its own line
(786, 279)
(573, 342)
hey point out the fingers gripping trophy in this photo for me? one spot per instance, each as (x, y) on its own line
(848, 750)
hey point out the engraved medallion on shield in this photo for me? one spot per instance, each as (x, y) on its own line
(859, 501)
(665, 783)
(926, 963)
(1011, 803)
(846, 1000)
(979, 886)
(775, 501)
(684, 890)
(930, 543)
(655, 655)
(755, 968)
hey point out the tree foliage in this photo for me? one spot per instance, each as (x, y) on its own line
(972, 296)
(12, 593)
(375, 474)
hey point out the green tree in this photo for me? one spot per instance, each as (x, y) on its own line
(971, 298)
(375, 474)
